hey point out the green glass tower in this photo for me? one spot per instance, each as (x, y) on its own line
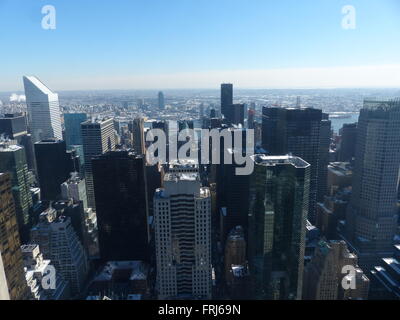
(13, 160)
(279, 191)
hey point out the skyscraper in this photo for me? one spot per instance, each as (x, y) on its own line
(13, 160)
(98, 137)
(182, 212)
(277, 225)
(295, 131)
(43, 110)
(120, 187)
(372, 212)
(73, 131)
(161, 102)
(226, 97)
(136, 128)
(12, 278)
(60, 244)
(53, 167)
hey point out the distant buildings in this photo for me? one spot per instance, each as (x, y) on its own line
(278, 209)
(97, 137)
(182, 212)
(120, 187)
(372, 213)
(12, 280)
(43, 110)
(161, 102)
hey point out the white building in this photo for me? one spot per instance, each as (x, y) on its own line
(59, 243)
(36, 270)
(74, 188)
(182, 212)
(43, 110)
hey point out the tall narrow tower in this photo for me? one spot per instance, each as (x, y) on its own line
(43, 110)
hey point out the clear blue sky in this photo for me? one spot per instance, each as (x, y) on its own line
(123, 38)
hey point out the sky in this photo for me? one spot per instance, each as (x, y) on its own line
(162, 44)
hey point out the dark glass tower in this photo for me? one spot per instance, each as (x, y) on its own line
(13, 160)
(121, 205)
(278, 206)
(54, 165)
(295, 131)
(226, 97)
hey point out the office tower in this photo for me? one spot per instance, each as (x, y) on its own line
(59, 243)
(35, 272)
(226, 97)
(232, 189)
(323, 161)
(74, 188)
(348, 141)
(372, 212)
(98, 138)
(53, 167)
(295, 131)
(73, 132)
(136, 129)
(277, 225)
(234, 114)
(12, 281)
(120, 187)
(73, 210)
(13, 160)
(161, 102)
(13, 126)
(182, 213)
(323, 276)
(43, 110)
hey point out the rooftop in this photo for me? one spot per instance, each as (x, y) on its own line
(262, 159)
